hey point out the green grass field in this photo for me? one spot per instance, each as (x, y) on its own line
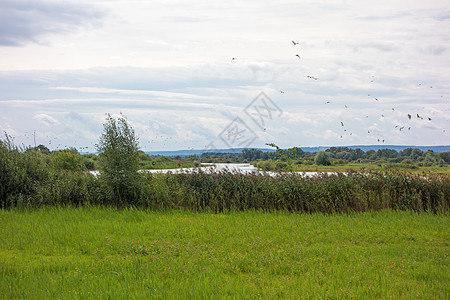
(97, 253)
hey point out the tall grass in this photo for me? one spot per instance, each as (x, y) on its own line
(328, 193)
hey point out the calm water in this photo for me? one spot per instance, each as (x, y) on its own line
(219, 167)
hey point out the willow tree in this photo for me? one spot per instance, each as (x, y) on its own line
(118, 149)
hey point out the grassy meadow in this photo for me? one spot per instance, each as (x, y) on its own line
(91, 253)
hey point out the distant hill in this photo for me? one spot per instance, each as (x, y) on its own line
(365, 148)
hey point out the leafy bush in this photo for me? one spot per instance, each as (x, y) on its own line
(68, 161)
(19, 172)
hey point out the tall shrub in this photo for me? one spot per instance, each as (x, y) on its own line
(119, 162)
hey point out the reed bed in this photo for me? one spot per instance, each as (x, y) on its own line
(326, 193)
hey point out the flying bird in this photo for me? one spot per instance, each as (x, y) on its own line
(429, 119)
(312, 77)
(234, 58)
(409, 116)
(342, 123)
(327, 102)
(297, 55)
(295, 43)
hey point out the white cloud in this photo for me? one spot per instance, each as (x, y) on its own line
(25, 21)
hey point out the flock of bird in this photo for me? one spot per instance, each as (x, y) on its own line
(380, 139)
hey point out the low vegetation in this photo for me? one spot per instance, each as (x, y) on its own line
(99, 253)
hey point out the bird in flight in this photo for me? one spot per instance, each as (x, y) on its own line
(297, 55)
(282, 92)
(234, 58)
(312, 77)
(295, 43)
(409, 116)
(342, 123)
(327, 102)
(429, 119)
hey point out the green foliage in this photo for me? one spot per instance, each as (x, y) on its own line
(445, 156)
(119, 162)
(322, 158)
(67, 160)
(41, 148)
(266, 165)
(20, 171)
(67, 188)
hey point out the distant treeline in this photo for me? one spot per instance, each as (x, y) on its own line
(337, 155)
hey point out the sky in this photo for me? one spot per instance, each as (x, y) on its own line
(226, 74)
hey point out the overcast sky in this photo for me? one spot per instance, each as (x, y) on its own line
(225, 74)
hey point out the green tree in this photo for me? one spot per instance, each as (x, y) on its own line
(445, 156)
(322, 158)
(119, 162)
